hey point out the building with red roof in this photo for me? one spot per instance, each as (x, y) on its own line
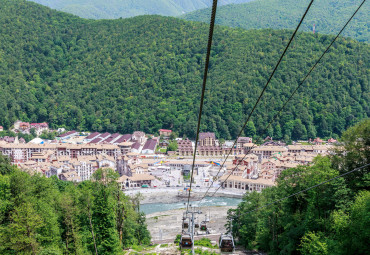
(165, 132)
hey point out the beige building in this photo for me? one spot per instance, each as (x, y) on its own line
(207, 139)
(135, 181)
(20, 153)
(265, 152)
(238, 182)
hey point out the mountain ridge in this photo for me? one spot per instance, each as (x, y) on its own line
(328, 16)
(113, 9)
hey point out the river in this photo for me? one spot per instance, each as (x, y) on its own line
(208, 201)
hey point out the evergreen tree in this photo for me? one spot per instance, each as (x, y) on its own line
(250, 129)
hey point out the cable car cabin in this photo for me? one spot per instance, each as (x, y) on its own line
(203, 226)
(226, 243)
(186, 241)
(196, 224)
(185, 224)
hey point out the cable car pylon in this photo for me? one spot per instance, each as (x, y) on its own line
(187, 236)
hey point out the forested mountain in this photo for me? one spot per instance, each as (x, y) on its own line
(145, 73)
(113, 9)
(40, 215)
(329, 16)
(330, 219)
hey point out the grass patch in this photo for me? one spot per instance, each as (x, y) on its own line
(201, 252)
(205, 242)
(140, 248)
(137, 247)
(164, 245)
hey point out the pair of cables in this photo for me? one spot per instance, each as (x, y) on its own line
(214, 8)
(286, 102)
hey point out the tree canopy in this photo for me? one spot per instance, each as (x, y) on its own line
(40, 215)
(332, 218)
(145, 73)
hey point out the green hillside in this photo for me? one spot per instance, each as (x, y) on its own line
(113, 9)
(328, 15)
(145, 73)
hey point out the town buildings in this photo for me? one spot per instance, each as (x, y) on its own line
(74, 157)
(26, 127)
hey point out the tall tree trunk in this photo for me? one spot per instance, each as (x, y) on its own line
(91, 225)
(120, 214)
(67, 240)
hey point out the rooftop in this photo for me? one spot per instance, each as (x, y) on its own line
(68, 133)
(207, 135)
(92, 135)
(150, 144)
(249, 181)
(165, 130)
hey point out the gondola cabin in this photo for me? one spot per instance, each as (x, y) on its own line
(226, 243)
(186, 241)
(196, 224)
(185, 224)
(203, 226)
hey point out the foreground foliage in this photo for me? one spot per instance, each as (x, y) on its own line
(145, 73)
(40, 215)
(330, 219)
(328, 15)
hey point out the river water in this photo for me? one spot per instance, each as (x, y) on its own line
(208, 201)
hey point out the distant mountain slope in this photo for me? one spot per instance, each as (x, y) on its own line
(328, 15)
(145, 73)
(113, 9)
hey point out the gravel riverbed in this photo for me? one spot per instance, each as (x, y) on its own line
(166, 225)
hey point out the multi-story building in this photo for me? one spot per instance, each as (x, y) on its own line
(139, 136)
(207, 139)
(135, 181)
(265, 152)
(185, 147)
(20, 153)
(243, 140)
(165, 132)
(238, 182)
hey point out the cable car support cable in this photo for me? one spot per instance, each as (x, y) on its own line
(262, 92)
(210, 36)
(292, 94)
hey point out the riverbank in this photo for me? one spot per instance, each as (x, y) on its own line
(170, 195)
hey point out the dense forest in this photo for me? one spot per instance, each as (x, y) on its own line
(328, 15)
(333, 218)
(113, 9)
(145, 73)
(40, 215)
